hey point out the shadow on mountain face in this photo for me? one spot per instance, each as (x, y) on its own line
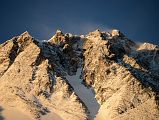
(1, 117)
(147, 59)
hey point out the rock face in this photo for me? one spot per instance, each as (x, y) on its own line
(32, 78)
(123, 76)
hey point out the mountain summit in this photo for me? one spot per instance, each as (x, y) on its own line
(99, 76)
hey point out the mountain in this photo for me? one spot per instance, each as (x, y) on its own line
(99, 76)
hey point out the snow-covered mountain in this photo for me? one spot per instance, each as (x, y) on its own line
(99, 76)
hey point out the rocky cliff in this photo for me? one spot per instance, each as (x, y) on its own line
(101, 76)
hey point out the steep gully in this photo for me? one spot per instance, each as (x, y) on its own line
(85, 94)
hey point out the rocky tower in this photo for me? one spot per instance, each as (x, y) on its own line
(123, 75)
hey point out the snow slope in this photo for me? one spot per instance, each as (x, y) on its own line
(85, 94)
(12, 113)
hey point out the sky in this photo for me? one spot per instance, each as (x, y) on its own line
(137, 19)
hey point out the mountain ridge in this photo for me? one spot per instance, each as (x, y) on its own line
(122, 75)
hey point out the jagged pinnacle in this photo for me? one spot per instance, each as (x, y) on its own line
(58, 31)
(25, 34)
(115, 32)
(22, 37)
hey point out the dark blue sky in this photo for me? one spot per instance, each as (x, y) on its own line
(137, 19)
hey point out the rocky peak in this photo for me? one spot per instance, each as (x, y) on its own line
(25, 34)
(24, 37)
(147, 46)
(97, 34)
(106, 35)
(59, 32)
(59, 38)
(115, 33)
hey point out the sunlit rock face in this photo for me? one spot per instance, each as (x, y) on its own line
(121, 76)
(32, 78)
(124, 76)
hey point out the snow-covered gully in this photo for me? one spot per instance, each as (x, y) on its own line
(85, 94)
